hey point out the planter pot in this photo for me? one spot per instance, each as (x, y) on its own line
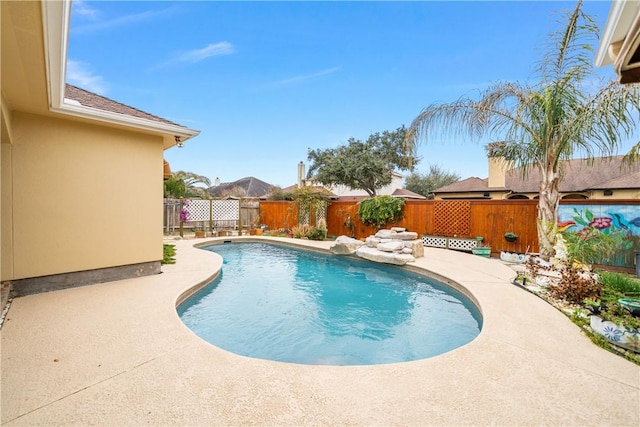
(632, 305)
(200, 234)
(616, 334)
(223, 233)
(511, 238)
(255, 232)
(513, 257)
(483, 251)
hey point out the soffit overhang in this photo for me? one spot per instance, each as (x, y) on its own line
(34, 55)
(620, 42)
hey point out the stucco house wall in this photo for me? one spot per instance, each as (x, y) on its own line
(84, 196)
(82, 175)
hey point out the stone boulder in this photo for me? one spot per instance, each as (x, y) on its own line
(345, 245)
(373, 254)
(393, 246)
(416, 246)
(372, 241)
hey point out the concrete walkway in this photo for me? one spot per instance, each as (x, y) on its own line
(117, 354)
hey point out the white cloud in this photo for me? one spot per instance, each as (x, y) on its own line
(298, 79)
(81, 8)
(79, 74)
(121, 21)
(197, 55)
(215, 49)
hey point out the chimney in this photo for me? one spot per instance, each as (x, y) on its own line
(216, 182)
(498, 167)
(300, 174)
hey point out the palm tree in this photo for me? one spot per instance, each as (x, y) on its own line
(187, 185)
(543, 124)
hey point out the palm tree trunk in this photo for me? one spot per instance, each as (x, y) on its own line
(548, 213)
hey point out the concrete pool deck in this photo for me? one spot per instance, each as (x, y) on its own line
(117, 354)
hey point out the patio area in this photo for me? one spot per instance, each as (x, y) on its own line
(117, 354)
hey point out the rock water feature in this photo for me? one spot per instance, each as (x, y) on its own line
(395, 246)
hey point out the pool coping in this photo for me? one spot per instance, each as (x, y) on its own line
(117, 353)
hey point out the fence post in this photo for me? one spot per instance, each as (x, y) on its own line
(240, 217)
(211, 216)
(181, 229)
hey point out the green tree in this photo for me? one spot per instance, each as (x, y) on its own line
(546, 123)
(186, 185)
(364, 165)
(424, 184)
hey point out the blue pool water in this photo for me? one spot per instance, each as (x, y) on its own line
(279, 303)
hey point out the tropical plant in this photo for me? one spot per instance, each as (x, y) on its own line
(300, 231)
(183, 185)
(168, 254)
(543, 124)
(380, 210)
(363, 165)
(426, 183)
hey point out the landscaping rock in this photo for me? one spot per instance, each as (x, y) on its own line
(345, 245)
(416, 246)
(372, 241)
(385, 257)
(405, 235)
(384, 234)
(391, 246)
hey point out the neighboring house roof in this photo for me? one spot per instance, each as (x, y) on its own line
(465, 186)
(578, 175)
(253, 187)
(89, 99)
(404, 193)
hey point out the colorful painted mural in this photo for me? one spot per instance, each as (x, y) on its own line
(606, 219)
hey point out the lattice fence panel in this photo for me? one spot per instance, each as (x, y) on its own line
(228, 210)
(434, 241)
(462, 244)
(452, 217)
(198, 210)
(321, 211)
(226, 213)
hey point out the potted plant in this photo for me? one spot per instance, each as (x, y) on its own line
(483, 251)
(510, 236)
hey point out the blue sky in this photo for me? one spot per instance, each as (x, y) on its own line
(266, 81)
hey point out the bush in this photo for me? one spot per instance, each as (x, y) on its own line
(300, 231)
(317, 233)
(380, 210)
(624, 284)
(575, 285)
(168, 254)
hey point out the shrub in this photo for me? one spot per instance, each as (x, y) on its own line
(300, 231)
(168, 254)
(317, 233)
(621, 283)
(380, 210)
(575, 285)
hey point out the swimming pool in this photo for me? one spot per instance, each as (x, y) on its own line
(292, 305)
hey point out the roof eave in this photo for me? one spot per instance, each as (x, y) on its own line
(618, 23)
(56, 17)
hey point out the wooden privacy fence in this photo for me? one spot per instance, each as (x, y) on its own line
(490, 219)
